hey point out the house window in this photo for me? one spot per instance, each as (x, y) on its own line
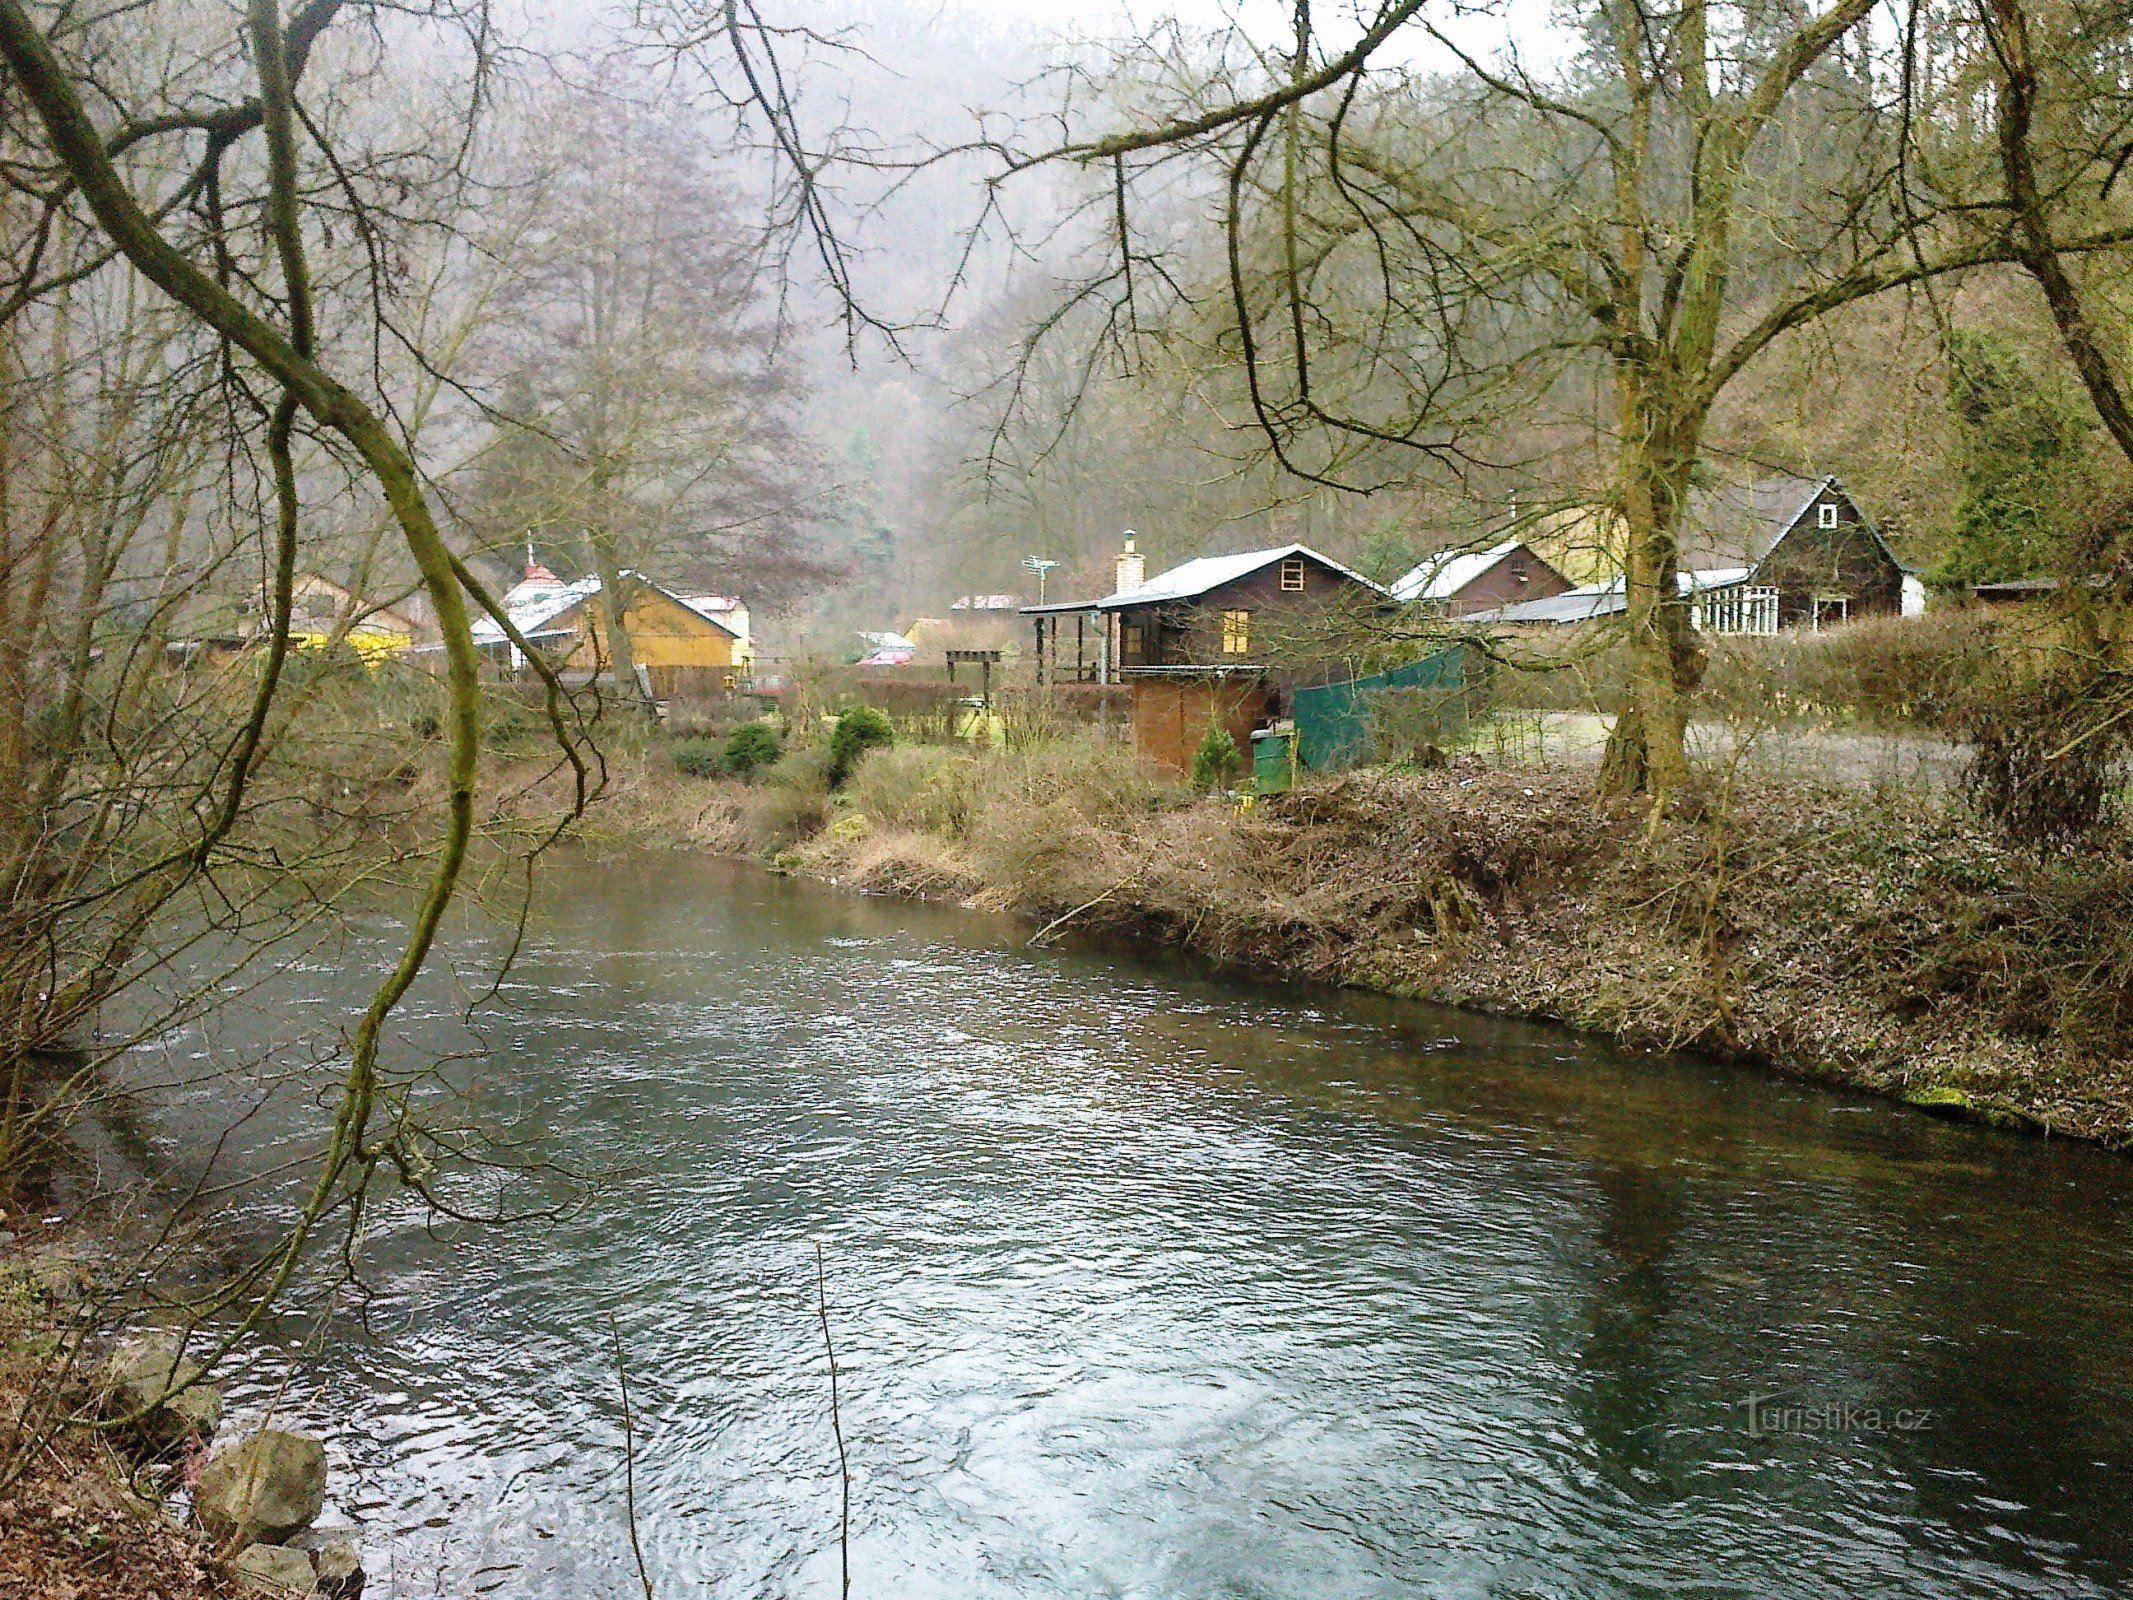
(1292, 577)
(1129, 643)
(1830, 609)
(1236, 632)
(1826, 514)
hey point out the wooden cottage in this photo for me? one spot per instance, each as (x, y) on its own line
(1778, 553)
(1786, 553)
(678, 647)
(1218, 639)
(1457, 583)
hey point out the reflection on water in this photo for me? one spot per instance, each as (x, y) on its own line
(1147, 1284)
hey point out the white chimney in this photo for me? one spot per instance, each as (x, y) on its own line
(1132, 567)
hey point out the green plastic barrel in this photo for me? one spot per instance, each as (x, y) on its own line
(1273, 760)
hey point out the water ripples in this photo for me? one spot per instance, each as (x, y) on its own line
(1148, 1285)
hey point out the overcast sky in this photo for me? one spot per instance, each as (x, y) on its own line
(1540, 44)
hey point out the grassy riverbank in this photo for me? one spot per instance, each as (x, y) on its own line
(1873, 936)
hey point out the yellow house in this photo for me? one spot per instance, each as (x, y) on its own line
(678, 646)
(321, 610)
(1583, 543)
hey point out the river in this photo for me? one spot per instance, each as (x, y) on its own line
(1145, 1282)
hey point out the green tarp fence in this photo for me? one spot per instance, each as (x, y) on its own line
(1332, 724)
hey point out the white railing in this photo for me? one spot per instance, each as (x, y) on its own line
(1743, 608)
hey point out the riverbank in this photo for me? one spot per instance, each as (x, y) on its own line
(77, 1520)
(1874, 937)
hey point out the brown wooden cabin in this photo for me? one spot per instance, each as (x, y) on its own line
(1458, 583)
(1804, 550)
(1219, 638)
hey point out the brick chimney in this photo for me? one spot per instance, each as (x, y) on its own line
(1132, 567)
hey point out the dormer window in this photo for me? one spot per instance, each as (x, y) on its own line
(1292, 577)
(1826, 514)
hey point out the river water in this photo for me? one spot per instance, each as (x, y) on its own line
(1148, 1283)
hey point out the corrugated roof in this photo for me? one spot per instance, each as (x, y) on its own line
(1605, 599)
(1573, 605)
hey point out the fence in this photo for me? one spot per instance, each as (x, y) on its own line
(1339, 725)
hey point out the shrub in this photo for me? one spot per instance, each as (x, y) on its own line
(859, 730)
(697, 758)
(2044, 758)
(805, 770)
(1216, 763)
(1885, 672)
(751, 747)
(924, 788)
(1412, 726)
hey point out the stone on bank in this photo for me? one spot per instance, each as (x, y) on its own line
(265, 1489)
(274, 1569)
(148, 1379)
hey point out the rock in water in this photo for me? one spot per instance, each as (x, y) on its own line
(274, 1569)
(340, 1569)
(140, 1377)
(266, 1488)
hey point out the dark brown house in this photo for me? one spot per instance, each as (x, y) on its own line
(1220, 638)
(1787, 552)
(1458, 583)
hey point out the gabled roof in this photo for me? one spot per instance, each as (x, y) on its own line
(1200, 576)
(1443, 575)
(536, 602)
(1740, 524)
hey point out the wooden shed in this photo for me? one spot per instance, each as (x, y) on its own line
(681, 649)
(1172, 711)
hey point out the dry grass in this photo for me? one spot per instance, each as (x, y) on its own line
(1881, 938)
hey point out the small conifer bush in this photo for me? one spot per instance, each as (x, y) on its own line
(696, 758)
(859, 730)
(1216, 763)
(750, 748)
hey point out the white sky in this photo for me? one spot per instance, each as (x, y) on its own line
(1540, 43)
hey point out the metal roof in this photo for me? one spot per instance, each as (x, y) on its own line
(1605, 599)
(1573, 605)
(1440, 576)
(1197, 577)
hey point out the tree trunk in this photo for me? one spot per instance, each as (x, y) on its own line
(1647, 749)
(614, 607)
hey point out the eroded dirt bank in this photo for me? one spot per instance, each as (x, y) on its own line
(1880, 939)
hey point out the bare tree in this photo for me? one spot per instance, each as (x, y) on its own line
(646, 424)
(1417, 267)
(175, 284)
